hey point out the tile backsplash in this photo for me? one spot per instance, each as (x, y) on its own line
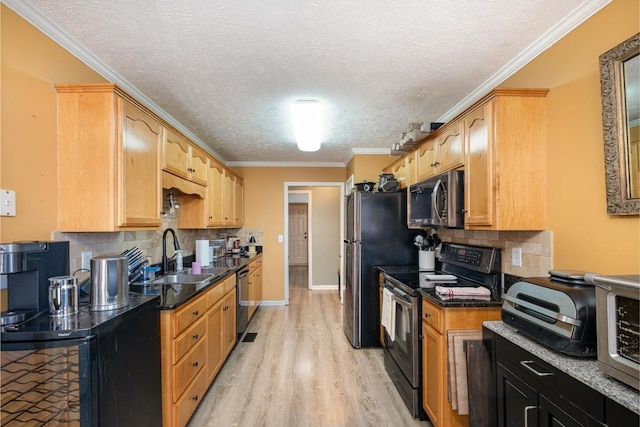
(537, 248)
(149, 242)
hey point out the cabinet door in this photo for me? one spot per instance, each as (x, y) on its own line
(550, 415)
(140, 185)
(399, 170)
(229, 322)
(214, 340)
(517, 402)
(450, 149)
(479, 164)
(411, 173)
(198, 166)
(432, 384)
(238, 202)
(227, 194)
(175, 155)
(215, 191)
(426, 159)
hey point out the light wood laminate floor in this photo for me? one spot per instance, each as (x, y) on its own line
(302, 371)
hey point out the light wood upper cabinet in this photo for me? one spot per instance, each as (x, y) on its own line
(215, 195)
(223, 205)
(411, 170)
(505, 161)
(426, 158)
(109, 150)
(442, 153)
(238, 202)
(184, 160)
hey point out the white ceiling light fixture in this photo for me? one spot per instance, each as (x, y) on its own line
(307, 122)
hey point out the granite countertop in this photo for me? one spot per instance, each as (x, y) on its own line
(174, 295)
(584, 370)
(431, 295)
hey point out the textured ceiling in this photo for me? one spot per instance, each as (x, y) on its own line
(228, 70)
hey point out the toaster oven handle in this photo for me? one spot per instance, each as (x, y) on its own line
(552, 314)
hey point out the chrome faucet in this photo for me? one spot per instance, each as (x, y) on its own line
(176, 246)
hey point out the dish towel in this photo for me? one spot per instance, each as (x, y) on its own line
(480, 291)
(388, 313)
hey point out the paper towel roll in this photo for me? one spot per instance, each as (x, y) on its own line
(202, 252)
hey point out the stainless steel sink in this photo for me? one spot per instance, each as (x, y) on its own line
(180, 278)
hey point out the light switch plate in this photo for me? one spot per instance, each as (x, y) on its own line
(280, 238)
(7, 203)
(516, 257)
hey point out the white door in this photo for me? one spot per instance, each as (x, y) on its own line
(298, 233)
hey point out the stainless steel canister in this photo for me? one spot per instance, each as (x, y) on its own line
(109, 282)
(63, 296)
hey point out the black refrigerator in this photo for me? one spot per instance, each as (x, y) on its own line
(376, 233)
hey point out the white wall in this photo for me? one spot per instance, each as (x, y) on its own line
(325, 203)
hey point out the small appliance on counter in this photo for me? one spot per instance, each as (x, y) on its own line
(109, 282)
(558, 311)
(82, 367)
(618, 326)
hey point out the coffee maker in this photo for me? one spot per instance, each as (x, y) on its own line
(25, 269)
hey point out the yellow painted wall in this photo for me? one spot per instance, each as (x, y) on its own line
(368, 167)
(31, 63)
(585, 237)
(264, 208)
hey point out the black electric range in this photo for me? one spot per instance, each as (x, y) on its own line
(472, 266)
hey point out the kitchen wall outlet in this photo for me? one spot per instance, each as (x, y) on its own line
(86, 260)
(280, 238)
(7, 203)
(516, 257)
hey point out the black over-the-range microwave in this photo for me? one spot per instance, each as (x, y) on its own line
(438, 201)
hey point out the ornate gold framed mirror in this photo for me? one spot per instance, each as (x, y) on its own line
(620, 85)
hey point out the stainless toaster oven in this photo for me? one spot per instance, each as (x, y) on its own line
(618, 326)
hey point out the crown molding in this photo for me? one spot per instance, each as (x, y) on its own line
(61, 37)
(548, 39)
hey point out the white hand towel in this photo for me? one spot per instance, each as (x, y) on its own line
(388, 313)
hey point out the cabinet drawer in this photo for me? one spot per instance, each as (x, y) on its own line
(229, 283)
(187, 368)
(549, 381)
(215, 294)
(190, 400)
(432, 315)
(186, 316)
(188, 339)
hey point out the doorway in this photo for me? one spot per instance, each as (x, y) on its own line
(298, 234)
(301, 193)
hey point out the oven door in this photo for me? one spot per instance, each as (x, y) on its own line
(49, 383)
(404, 348)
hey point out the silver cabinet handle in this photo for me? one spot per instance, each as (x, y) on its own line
(527, 363)
(526, 414)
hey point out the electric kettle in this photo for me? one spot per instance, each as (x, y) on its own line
(109, 282)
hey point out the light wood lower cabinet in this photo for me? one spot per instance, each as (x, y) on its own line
(436, 321)
(196, 339)
(255, 285)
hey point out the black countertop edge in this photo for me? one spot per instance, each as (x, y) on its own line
(584, 370)
(173, 296)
